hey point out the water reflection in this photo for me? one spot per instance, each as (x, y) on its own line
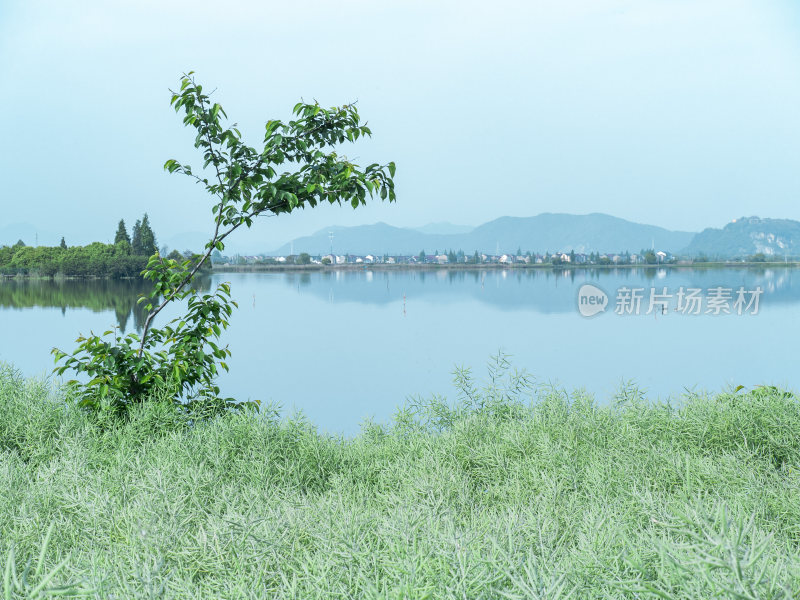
(97, 295)
(343, 345)
(545, 291)
(541, 290)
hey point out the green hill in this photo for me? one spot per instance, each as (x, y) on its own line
(779, 238)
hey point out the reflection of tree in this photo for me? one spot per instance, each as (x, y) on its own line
(296, 279)
(119, 295)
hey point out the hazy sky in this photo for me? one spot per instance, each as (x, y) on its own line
(681, 113)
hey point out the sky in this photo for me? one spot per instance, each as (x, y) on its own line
(679, 113)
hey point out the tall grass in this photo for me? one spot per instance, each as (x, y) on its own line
(507, 491)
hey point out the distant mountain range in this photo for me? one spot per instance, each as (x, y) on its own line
(748, 236)
(546, 232)
(443, 228)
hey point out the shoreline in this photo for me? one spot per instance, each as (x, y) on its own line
(413, 267)
(492, 266)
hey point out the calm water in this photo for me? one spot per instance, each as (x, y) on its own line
(343, 346)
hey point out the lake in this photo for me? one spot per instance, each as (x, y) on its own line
(342, 346)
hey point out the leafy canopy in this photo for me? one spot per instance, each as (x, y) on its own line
(296, 166)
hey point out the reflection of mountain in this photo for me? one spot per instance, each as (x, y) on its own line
(98, 295)
(543, 291)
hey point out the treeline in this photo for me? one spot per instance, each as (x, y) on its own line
(94, 260)
(126, 257)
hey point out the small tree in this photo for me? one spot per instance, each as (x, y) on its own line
(183, 356)
(63, 244)
(148, 238)
(136, 239)
(122, 233)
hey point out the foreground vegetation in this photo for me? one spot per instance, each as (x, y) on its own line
(510, 492)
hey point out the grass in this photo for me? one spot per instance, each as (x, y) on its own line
(509, 491)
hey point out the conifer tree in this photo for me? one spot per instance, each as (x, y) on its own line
(148, 238)
(122, 233)
(136, 239)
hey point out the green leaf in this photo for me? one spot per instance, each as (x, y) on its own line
(127, 369)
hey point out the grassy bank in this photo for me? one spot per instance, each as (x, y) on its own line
(503, 496)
